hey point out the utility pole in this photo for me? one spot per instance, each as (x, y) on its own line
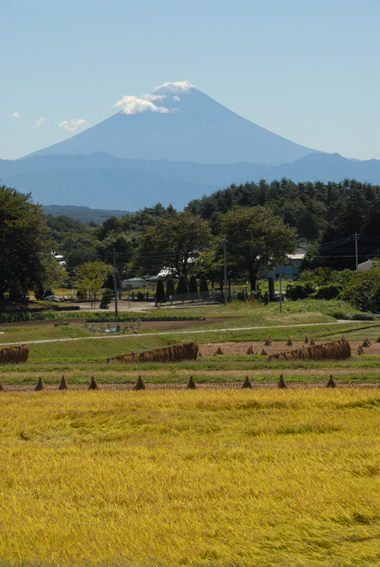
(129, 301)
(225, 271)
(114, 281)
(356, 251)
(280, 295)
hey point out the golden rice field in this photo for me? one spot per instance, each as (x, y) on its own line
(169, 478)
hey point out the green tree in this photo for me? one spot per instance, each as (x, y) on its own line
(193, 285)
(91, 277)
(171, 243)
(182, 288)
(170, 290)
(26, 248)
(203, 287)
(257, 240)
(160, 291)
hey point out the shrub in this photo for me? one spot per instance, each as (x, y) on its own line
(203, 287)
(182, 288)
(299, 291)
(331, 291)
(170, 291)
(160, 291)
(106, 298)
(193, 286)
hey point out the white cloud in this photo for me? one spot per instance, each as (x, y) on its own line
(73, 125)
(39, 123)
(177, 87)
(16, 115)
(134, 105)
(176, 98)
(152, 97)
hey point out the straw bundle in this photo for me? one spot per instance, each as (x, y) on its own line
(289, 343)
(191, 384)
(139, 384)
(268, 342)
(334, 349)
(281, 382)
(171, 353)
(250, 350)
(14, 354)
(264, 353)
(247, 383)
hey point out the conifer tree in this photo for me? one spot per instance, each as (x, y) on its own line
(160, 291)
(170, 290)
(182, 288)
(193, 285)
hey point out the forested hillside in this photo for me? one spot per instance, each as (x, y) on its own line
(325, 211)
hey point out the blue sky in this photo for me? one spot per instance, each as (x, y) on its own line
(308, 70)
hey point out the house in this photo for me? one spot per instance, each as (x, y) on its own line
(293, 264)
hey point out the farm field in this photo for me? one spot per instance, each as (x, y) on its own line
(234, 328)
(217, 477)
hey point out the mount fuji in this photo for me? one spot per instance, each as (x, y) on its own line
(171, 146)
(178, 122)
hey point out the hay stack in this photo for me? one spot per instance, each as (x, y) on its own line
(331, 383)
(171, 353)
(378, 339)
(14, 354)
(360, 351)
(332, 350)
(312, 342)
(219, 351)
(281, 383)
(93, 385)
(366, 342)
(62, 384)
(306, 340)
(268, 342)
(250, 351)
(264, 353)
(191, 384)
(39, 386)
(139, 384)
(247, 383)
(2, 389)
(200, 354)
(289, 343)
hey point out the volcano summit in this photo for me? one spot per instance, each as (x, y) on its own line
(177, 122)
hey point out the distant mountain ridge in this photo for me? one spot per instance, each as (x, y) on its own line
(101, 181)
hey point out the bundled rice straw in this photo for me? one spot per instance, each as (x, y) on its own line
(334, 349)
(171, 353)
(14, 354)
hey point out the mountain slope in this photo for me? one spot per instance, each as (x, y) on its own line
(180, 123)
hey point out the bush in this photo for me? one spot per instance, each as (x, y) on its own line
(203, 287)
(299, 291)
(193, 286)
(106, 298)
(182, 288)
(160, 291)
(331, 291)
(170, 291)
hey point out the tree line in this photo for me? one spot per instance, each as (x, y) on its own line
(260, 223)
